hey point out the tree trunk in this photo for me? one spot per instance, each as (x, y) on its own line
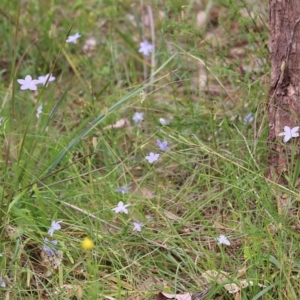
(284, 93)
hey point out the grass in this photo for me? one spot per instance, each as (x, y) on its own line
(67, 164)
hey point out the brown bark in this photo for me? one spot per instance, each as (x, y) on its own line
(284, 93)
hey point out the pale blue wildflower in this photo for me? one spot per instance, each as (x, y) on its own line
(146, 48)
(121, 208)
(222, 239)
(138, 117)
(137, 226)
(152, 157)
(122, 189)
(163, 146)
(28, 83)
(73, 38)
(289, 133)
(49, 247)
(54, 226)
(43, 79)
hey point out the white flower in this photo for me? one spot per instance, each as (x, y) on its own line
(28, 83)
(152, 157)
(137, 226)
(138, 117)
(73, 38)
(289, 133)
(222, 239)
(39, 111)
(43, 79)
(54, 226)
(146, 48)
(121, 208)
(164, 121)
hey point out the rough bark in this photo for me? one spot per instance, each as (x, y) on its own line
(284, 93)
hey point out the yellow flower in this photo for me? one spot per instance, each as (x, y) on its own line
(87, 243)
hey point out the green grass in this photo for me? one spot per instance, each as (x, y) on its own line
(67, 164)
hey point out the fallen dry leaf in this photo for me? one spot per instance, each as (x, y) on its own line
(141, 192)
(201, 18)
(238, 296)
(10, 231)
(283, 203)
(146, 193)
(171, 216)
(7, 295)
(202, 77)
(51, 263)
(94, 142)
(89, 46)
(241, 272)
(211, 276)
(152, 283)
(222, 277)
(163, 296)
(66, 290)
(233, 288)
(119, 124)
